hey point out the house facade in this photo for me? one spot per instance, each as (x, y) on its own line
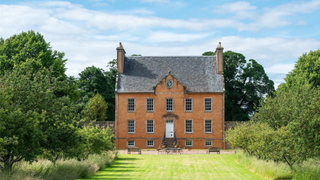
(169, 99)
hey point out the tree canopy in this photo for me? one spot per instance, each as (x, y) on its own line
(245, 84)
(33, 119)
(95, 109)
(30, 48)
(306, 71)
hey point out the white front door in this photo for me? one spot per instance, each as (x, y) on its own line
(169, 129)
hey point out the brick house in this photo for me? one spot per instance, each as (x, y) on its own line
(169, 98)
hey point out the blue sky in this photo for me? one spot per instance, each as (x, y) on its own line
(273, 32)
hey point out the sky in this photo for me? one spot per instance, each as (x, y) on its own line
(273, 32)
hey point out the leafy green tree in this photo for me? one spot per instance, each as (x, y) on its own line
(30, 48)
(32, 118)
(306, 71)
(111, 76)
(95, 140)
(296, 109)
(245, 84)
(95, 109)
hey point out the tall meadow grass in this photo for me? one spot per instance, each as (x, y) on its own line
(308, 170)
(62, 170)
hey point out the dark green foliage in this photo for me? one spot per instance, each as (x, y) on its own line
(32, 118)
(30, 48)
(111, 76)
(245, 84)
(95, 109)
(306, 71)
(94, 80)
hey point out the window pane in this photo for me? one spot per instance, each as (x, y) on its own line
(130, 105)
(130, 126)
(208, 126)
(150, 126)
(207, 104)
(188, 105)
(188, 126)
(188, 143)
(169, 105)
(130, 143)
(208, 143)
(150, 143)
(149, 104)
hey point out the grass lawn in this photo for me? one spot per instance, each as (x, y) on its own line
(213, 166)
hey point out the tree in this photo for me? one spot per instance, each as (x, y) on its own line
(32, 118)
(306, 71)
(30, 48)
(95, 140)
(298, 110)
(95, 109)
(245, 84)
(111, 76)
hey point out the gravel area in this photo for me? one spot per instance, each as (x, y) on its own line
(185, 151)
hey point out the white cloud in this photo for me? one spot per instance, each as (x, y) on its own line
(280, 68)
(173, 37)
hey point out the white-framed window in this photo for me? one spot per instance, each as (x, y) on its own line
(150, 104)
(150, 126)
(169, 104)
(207, 104)
(188, 143)
(188, 105)
(188, 126)
(131, 126)
(208, 143)
(150, 143)
(131, 105)
(208, 126)
(130, 143)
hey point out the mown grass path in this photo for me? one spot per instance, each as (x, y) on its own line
(191, 167)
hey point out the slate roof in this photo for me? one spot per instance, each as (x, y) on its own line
(196, 73)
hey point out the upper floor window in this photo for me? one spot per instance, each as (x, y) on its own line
(130, 127)
(169, 105)
(188, 105)
(150, 105)
(188, 126)
(131, 105)
(207, 104)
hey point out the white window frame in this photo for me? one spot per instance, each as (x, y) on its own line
(134, 126)
(185, 105)
(204, 103)
(167, 105)
(189, 141)
(152, 104)
(134, 105)
(131, 145)
(152, 143)
(205, 143)
(205, 126)
(185, 126)
(152, 126)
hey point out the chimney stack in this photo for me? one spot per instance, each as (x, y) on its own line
(120, 57)
(219, 58)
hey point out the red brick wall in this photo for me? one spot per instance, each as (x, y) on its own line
(198, 115)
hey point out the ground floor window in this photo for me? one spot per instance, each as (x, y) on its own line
(208, 143)
(130, 144)
(188, 143)
(150, 143)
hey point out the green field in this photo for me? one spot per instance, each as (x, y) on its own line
(199, 167)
